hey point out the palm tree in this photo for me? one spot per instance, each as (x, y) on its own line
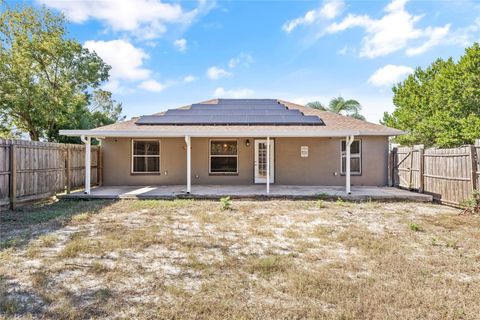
(316, 105)
(339, 105)
(357, 116)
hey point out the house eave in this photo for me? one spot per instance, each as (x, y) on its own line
(253, 133)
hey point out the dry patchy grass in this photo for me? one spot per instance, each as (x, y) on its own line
(270, 259)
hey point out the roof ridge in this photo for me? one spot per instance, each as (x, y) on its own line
(332, 120)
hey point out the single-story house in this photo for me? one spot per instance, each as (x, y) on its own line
(242, 142)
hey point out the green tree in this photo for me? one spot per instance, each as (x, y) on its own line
(439, 105)
(47, 81)
(339, 105)
(103, 110)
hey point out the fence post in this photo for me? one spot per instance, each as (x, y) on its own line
(13, 176)
(473, 158)
(421, 169)
(393, 164)
(410, 175)
(69, 170)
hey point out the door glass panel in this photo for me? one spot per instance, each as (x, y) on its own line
(262, 159)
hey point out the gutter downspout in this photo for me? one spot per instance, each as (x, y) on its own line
(87, 141)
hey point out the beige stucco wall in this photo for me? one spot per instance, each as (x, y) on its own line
(322, 167)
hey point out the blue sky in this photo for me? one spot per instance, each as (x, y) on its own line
(167, 54)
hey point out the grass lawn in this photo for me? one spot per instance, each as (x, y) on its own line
(257, 260)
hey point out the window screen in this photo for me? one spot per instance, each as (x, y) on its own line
(223, 156)
(146, 156)
(355, 157)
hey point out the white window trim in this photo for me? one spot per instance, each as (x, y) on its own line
(343, 154)
(147, 156)
(218, 156)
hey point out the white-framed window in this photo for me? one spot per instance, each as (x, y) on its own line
(355, 157)
(223, 156)
(145, 156)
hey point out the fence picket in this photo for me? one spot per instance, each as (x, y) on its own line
(39, 170)
(450, 175)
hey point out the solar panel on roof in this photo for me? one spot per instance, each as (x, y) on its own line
(233, 112)
(237, 106)
(246, 101)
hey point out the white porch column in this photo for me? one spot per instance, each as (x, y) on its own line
(189, 164)
(87, 141)
(348, 144)
(268, 165)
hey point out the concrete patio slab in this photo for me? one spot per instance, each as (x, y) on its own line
(250, 191)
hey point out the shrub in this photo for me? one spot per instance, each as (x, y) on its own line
(226, 203)
(472, 205)
(415, 227)
(320, 204)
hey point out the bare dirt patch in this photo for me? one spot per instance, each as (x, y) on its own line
(257, 260)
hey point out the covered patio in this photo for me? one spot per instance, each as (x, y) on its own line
(359, 193)
(241, 148)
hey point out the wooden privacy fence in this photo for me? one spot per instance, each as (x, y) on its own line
(450, 175)
(31, 170)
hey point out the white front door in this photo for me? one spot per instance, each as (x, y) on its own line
(261, 161)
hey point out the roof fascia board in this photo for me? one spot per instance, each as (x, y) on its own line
(220, 133)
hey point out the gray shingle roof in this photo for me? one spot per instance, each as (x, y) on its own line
(333, 123)
(250, 112)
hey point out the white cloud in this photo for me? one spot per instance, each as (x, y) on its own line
(234, 93)
(127, 62)
(146, 18)
(215, 73)
(125, 59)
(389, 75)
(152, 85)
(329, 10)
(189, 78)
(394, 31)
(181, 44)
(465, 36)
(435, 37)
(243, 59)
